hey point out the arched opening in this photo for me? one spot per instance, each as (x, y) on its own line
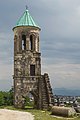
(23, 42)
(31, 42)
(30, 98)
(29, 101)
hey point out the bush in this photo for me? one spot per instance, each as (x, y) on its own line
(2, 98)
(6, 98)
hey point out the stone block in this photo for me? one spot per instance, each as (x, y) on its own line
(63, 111)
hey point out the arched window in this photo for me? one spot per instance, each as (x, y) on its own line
(31, 42)
(23, 42)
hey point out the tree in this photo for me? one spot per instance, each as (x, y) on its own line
(2, 98)
(6, 98)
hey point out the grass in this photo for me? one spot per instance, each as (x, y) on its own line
(41, 115)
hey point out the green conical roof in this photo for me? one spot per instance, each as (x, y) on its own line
(26, 20)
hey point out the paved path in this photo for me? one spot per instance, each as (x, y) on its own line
(15, 115)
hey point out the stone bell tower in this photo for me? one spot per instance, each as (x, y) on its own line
(27, 65)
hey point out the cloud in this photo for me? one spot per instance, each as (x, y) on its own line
(63, 75)
(5, 71)
(6, 48)
(61, 50)
(6, 61)
(65, 20)
(6, 78)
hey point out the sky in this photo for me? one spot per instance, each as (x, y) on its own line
(59, 39)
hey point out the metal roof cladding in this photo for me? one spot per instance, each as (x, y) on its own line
(26, 20)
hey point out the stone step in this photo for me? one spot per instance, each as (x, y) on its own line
(45, 106)
(44, 92)
(44, 95)
(45, 102)
(44, 98)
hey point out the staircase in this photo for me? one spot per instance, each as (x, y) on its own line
(46, 91)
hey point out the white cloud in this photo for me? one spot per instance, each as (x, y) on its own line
(63, 74)
(6, 67)
(6, 79)
(6, 71)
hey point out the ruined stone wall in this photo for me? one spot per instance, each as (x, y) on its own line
(22, 62)
(23, 81)
(38, 85)
(22, 88)
(45, 92)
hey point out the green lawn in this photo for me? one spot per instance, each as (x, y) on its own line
(45, 115)
(41, 115)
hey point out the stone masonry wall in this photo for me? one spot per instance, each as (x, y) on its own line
(24, 83)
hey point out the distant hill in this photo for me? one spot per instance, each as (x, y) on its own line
(66, 92)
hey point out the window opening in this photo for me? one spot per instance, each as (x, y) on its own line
(32, 70)
(31, 42)
(23, 42)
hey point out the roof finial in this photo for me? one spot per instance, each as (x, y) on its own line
(26, 7)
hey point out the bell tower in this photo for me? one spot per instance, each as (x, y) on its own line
(27, 63)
